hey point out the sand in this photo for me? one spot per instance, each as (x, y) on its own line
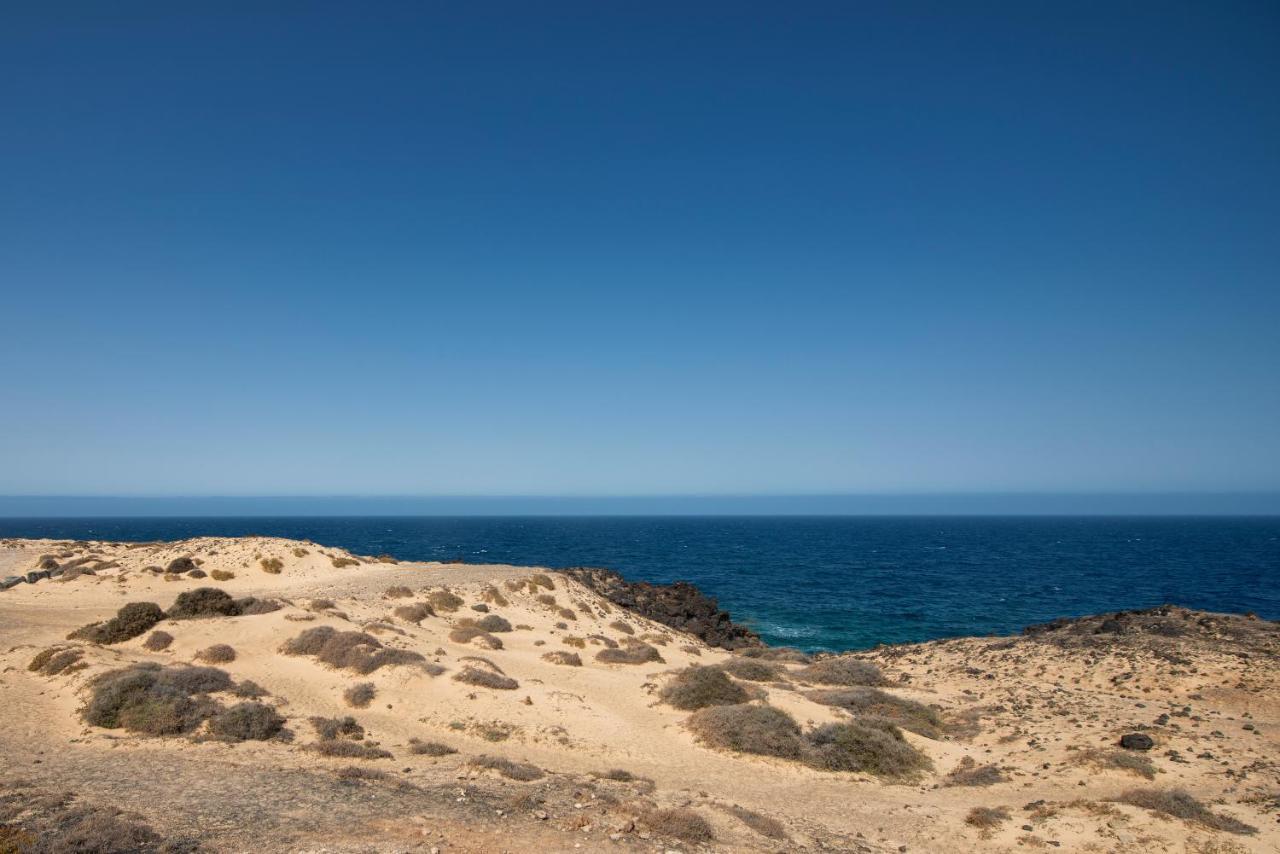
(1047, 711)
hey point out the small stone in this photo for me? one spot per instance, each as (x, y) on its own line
(1136, 741)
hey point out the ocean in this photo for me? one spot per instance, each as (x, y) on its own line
(825, 582)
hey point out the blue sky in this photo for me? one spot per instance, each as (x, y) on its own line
(634, 249)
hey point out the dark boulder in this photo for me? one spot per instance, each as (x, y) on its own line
(1136, 741)
(680, 606)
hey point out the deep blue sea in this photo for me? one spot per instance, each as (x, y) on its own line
(826, 582)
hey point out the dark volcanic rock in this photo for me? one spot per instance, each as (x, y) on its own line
(680, 606)
(1161, 630)
(1136, 741)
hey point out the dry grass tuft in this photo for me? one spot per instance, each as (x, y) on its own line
(329, 729)
(350, 750)
(761, 824)
(1120, 760)
(443, 600)
(987, 819)
(485, 679)
(541, 579)
(567, 613)
(55, 660)
(787, 654)
(638, 653)
(970, 773)
(429, 748)
(560, 656)
(680, 823)
(574, 641)
(398, 591)
(494, 596)
(340, 562)
(1176, 803)
(273, 565)
(415, 613)
(222, 575)
(511, 770)
(624, 628)
(219, 653)
(475, 635)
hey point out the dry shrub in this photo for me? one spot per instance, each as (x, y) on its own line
(842, 670)
(692, 650)
(908, 714)
(55, 660)
(750, 670)
(386, 559)
(548, 600)
(129, 622)
(356, 651)
(541, 579)
(361, 695)
(511, 770)
(1176, 803)
(273, 565)
(762, 730)
(872, 745)
(350, 750)
(787, 654)
(37, 822)
(429, 748)
(624, 628)
(970, 773)
(415, 613)
(761, 824)
(299, 551)
(640, 653)
(443, 600)
(222, 575)
(180, 565)
(493, 623)
(398, 591)
(204, 602)
(158, 641)
(987, 819)
(560, 656)
(603, 640)
(650, 637)
(329, 729)
(567, 613)
(574, 641)
(469, 634)
(252, 607)
(699, 687)
(485, 679)
(353, 773)
(250, 690)
(248, 721)
(680, 823)
(152, 700)
(219, 653)
(494, 596)
(340, 562)
(319, 605)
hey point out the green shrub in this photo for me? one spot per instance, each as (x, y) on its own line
(698, 687)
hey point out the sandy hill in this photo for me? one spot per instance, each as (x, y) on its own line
(273, 695)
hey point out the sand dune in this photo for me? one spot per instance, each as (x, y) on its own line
(551, 714)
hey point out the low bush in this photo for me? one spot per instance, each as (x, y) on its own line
(494, 596)
(560, 656)
(872, 745)
(252, 607)
(640, 653)
(360, 696)
(618, 775)
(152, 700)
(341, 562)
(55, 660)
(493, 623)
(250, 690)
(474, 634)
(429, 748)
(548, 600)
(751, 670)
(574, 641)
(203, 602)
(222, 575)
(319, 605)
(762, 730)
(354, 773)
(698, 687)
(761, 824)
(219, 653)
(398, 591)
(1176, 803)
(350, 750)
(1120, 760)
(511, 770)
(299, 551)
(130, 621)
(787, 654)
(541, 579)
(567, 613)
(180, 565)
(970, 773)
(680, 823)
(443, 600)
(908, 714)
(248, 721)
(987, 819)
(386, 559)
(356, 651)
(273, 565)
(331, 728)
(603, 640)
(415, 613)
(842, 670)
(485, 679)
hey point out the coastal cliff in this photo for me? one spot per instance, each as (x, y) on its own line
(226, 694)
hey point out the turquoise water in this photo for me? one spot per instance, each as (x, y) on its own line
(827, 582)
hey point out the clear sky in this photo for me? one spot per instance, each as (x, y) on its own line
(628, 249)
